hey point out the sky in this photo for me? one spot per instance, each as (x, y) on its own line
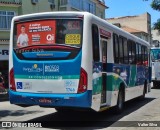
(119, 8)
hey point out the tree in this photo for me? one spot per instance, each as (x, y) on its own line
(156, 6)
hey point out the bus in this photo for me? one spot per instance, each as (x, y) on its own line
(155, 58)
(75, 60)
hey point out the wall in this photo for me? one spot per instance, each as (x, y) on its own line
(140, 22)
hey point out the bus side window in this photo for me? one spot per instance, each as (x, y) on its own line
(145, 62)
(121, 50)
(125, 50)
(130, 51)
(137, 54)
(134, 58)
(143, 50)
(95, 43)
(140, 54)
(116, 48)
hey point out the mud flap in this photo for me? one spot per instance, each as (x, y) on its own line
(96, 102)
(96, 93)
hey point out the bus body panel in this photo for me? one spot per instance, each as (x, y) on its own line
(47, 76)
(51, 100)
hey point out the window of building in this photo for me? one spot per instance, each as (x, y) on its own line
(92, 8)
(95, 43)
(5, 19)
(78, 4)
(63, 2)
(89, 6)
(101, 14)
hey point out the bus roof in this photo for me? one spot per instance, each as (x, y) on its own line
(104, 23)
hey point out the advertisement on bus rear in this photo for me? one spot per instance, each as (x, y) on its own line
(35, 33)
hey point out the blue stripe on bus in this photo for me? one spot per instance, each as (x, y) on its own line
(46, 54)
(62, 100)
(66, 67)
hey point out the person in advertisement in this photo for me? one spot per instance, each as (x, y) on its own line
(22, 38)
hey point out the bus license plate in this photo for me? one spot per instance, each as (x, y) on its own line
(45, 100)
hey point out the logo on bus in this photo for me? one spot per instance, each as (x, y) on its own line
(50, 37)
(34, 68)
(51, 68)
(19, 85)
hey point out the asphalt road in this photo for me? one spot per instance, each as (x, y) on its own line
(135, 112)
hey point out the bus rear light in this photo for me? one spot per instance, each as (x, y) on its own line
(83, 81)
(12, 80)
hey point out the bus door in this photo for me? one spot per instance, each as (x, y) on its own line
(104, 70)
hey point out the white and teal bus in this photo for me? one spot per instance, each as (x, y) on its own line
(155, 58)
(75, 60)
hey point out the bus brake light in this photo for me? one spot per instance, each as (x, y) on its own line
(83, 81)
(12, 80)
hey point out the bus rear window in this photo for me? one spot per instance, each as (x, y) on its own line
(43, 32)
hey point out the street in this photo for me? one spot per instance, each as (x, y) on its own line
(135, 110)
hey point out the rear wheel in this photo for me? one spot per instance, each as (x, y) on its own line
(120, 101)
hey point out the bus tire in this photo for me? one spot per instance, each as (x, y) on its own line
(120, 101)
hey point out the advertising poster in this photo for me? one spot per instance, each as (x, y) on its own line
(37, 32)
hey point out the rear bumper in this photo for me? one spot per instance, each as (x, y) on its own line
(57, 100)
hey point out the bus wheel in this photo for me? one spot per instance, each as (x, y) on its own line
(120, 101)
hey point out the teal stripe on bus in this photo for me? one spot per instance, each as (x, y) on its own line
(46, 77)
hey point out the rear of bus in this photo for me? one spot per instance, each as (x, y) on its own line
(45, 64)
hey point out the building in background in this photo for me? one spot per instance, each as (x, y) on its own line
(11, 8)
(155, 37)
(139, 25)
(8, 9)
(96, 7)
